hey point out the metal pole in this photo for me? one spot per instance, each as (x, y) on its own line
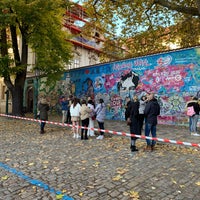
(36, 98)
(7, 97)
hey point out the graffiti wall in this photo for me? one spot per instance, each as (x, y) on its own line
(172, 76)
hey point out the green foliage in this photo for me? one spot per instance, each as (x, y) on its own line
(147, 26)
(39, 24)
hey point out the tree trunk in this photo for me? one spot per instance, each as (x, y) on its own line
(17, 88)
(17, 100)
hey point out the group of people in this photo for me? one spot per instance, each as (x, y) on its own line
(74, 112)
(137, 111)
(146, 109)
(87, 112)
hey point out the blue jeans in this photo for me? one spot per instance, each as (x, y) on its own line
(190, 124)
(150, 128)
(42, 125)
(194, 120)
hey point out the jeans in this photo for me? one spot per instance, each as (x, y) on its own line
(190, 124)
(150, 128)
(64, 115)
(42, 125)
(101, 126)
(194, 120)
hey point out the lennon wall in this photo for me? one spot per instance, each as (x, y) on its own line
(173, 76)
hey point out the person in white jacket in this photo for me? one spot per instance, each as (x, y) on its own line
(75, 117)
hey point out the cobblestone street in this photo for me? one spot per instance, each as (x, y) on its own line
(57, 166)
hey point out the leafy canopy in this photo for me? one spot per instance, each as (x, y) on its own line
(145, 25)
(38, 23)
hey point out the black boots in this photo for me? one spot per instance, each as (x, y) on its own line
(86, 137)
(133, 148)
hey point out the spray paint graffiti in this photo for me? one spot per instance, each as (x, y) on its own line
(173, 76)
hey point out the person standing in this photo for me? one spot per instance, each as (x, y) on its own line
(133, 116)
(151, 111)
(143, 102)
(91, 118)
(75, 116)
(65, 108)
(194, 118)
(100, 112)
(84, 114)
(127, 103)
(68, 120)
(43, 108)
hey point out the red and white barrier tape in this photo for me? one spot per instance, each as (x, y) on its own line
(108, 131)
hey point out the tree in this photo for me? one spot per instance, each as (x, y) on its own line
(38, 25)
(146, 24)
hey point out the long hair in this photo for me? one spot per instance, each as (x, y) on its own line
(75, 101)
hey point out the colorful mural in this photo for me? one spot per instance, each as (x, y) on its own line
(172, 76)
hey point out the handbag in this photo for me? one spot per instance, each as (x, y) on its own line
(190, 111)
(94, 117)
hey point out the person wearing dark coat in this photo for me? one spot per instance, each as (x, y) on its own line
(151, 111)
(133, 115)
(43, 108)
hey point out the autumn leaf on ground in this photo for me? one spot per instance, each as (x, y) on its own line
(80, 194)
(172, 169)
(31, 164)
(173, 181)
(198, 183)
(182, 186)
(56, 169)
(59, 196)
(4, 178)
(117, 178)
(96, 164)
(121, 171)
(134, 195)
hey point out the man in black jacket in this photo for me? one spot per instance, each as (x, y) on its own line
(152, 110)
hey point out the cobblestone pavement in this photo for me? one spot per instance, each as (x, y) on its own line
(57, 166)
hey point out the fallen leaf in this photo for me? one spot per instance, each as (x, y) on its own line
(4, 178)
(80, 194)
(198, 183)
(121, 171)
(116, 178)
(174, 181)
(182, 186)
(134, 195)
(31, 164)
(59, 196)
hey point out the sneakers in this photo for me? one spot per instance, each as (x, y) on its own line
(100, 137)
(195, 134)
(76, 135)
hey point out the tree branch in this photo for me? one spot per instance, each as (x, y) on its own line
(186, 10)
(198, 5)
